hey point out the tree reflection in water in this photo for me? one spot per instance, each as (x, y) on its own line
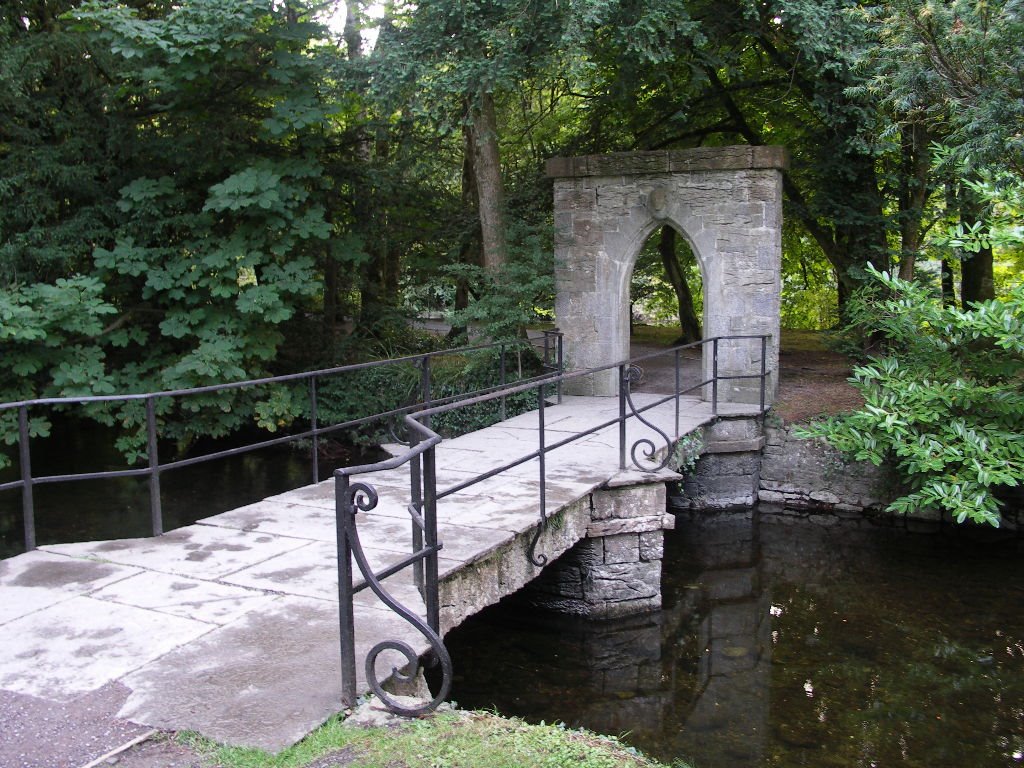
(785, 640)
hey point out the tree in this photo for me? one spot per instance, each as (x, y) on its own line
(954, 71)
(955, 65)
(719, 72)
(184, 234)
(689, 325)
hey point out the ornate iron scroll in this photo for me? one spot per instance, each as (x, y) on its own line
(633, 373)
(539, 560)
(362, 496)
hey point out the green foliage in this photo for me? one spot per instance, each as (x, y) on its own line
(175, 164)
(651, 293)
(509, 299)
(354, 395)
(957, 65)
(377, 389)
(1000, 194)
(945, 402)
(808, 283)
(482, 371)
(687, 452)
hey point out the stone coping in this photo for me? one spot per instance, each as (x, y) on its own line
(734, 158)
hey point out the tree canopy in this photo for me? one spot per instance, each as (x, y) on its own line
(208, 190)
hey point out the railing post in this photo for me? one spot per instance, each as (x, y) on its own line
(416, 496)
(313, 425)
(25, 457)
(542, 456)
(764, 368)
(678, 387)
(561, 363)
(346, 614)
(155, 507)
(431, 598)
(623, 383)
(501, 408)
(425, 385)
(714, 377)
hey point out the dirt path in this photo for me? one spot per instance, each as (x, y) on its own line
(812, 380)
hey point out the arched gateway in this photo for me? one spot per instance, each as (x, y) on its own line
(726, 202)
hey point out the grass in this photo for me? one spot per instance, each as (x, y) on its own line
(448, 740)
(791, 340)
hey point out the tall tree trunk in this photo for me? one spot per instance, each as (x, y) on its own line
(977, 280)
(330, 315)
(469, 246)
(489, 186)
(689, 325)
(913, 195)
(371, 273)
(948, 291)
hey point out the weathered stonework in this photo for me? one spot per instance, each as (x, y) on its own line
(508, 569)
(748, 460)
(616, 570)
(806, 474)
(727, 475)
(726, 202)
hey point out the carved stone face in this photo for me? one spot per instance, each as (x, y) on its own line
(657, 203)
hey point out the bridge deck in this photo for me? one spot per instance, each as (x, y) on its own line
(229, 626)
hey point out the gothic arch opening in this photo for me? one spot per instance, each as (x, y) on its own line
(666, 287)
(727, 201)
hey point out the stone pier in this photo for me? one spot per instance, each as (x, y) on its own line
(728, 474)
(615, 570)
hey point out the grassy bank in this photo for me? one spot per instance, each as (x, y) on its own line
(448, 740)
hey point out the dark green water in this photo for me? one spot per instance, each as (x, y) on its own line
(783, 644)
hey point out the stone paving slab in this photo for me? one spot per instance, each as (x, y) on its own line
(37, 580)
(200, 551)
(83, 643)
(230, 626)
(208, 601)
(277, 682)
(299, 521)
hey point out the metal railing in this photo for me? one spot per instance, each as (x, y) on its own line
(424, 495)
(552, 359)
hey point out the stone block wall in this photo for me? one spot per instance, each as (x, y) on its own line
(746, 461)
(808, 474)
(727, 475)
(616, 569)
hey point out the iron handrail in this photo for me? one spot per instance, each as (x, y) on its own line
(353, 497)
(552, 356)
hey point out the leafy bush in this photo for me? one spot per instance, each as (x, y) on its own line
(353, 395)
(509, 299)
(944, 402)
(483, 371)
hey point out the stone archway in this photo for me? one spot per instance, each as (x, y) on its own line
(726, 202)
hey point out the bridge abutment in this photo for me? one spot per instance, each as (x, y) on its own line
(728, 473)
(615, 570)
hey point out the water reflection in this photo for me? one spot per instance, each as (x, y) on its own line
(782, 643)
